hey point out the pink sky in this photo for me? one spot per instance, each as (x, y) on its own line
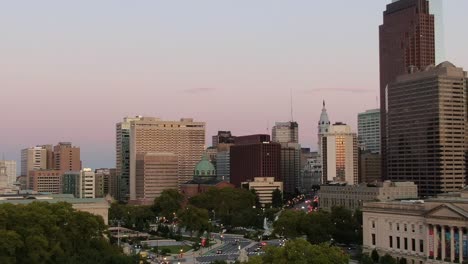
(70, 71)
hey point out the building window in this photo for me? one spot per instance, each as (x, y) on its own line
(373, 224)
(421, 246)
(413, 244)
(405, 240)
(398, 242)
(412, 228)
(398, 227)
(390, 241)
(390, 226)
(373, 239)
(406, 229)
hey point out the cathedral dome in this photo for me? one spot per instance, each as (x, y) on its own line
(204, 169)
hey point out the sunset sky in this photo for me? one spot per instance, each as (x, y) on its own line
(70, 70)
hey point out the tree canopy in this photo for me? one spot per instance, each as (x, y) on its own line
(300, 251)
(168, 203)
(41, 232)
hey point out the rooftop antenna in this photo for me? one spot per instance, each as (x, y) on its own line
(290, 94)
(268, 127)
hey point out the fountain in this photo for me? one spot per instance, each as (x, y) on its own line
(266, 227)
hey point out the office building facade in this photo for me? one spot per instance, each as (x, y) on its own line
(122, 155)
(254, 156)
(264, 187)
(352, 197)
(46, 181)
(155, 172)
(369, 130)
(184, 138)
(340, 155)
(427, 117)
(406, 40)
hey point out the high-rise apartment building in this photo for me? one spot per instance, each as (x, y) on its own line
(106, 182)
(285, 132)
(340, 155)
(67, 157)
(427, 124)
(369, 130)
(184, 138)
(122, 154)
(10, 170)
(254, 156)
(34, 158)
(155, 172)
(88, 183)
(406, 40)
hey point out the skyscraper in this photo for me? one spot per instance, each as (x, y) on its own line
(184, 138)
(436, 8)
(340, 155)
(122, 155)
(285, 132)
(406, 41)
(254, 156)
(34, 158)
(369, 130)
(67, 157)
(427, 129)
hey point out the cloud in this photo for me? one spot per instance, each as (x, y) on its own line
(339, 90)
(199, 90)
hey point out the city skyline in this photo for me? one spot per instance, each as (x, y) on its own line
(78, 88)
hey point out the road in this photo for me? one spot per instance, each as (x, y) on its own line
(229, 249)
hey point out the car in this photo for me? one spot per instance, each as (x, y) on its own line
(219, 251)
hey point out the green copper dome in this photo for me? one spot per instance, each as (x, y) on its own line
(204, 169)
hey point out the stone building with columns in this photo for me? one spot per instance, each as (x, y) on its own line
(421, 231)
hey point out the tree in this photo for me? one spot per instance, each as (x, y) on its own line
(40, 232)
(301, 251)
(318, 227)
(289, 223)
(402, 261)
(257, 198)
(346, 227)
(375, 256)
(168, 203)
(226, 202)
(387, 259)
(277, 199)
(366, 259)
(194, 219)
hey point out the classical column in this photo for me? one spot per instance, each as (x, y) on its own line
(452, 244)
(436, 242)
(460, 243)
(442, 235)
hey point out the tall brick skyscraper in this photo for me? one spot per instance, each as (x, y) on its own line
(406, 40)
